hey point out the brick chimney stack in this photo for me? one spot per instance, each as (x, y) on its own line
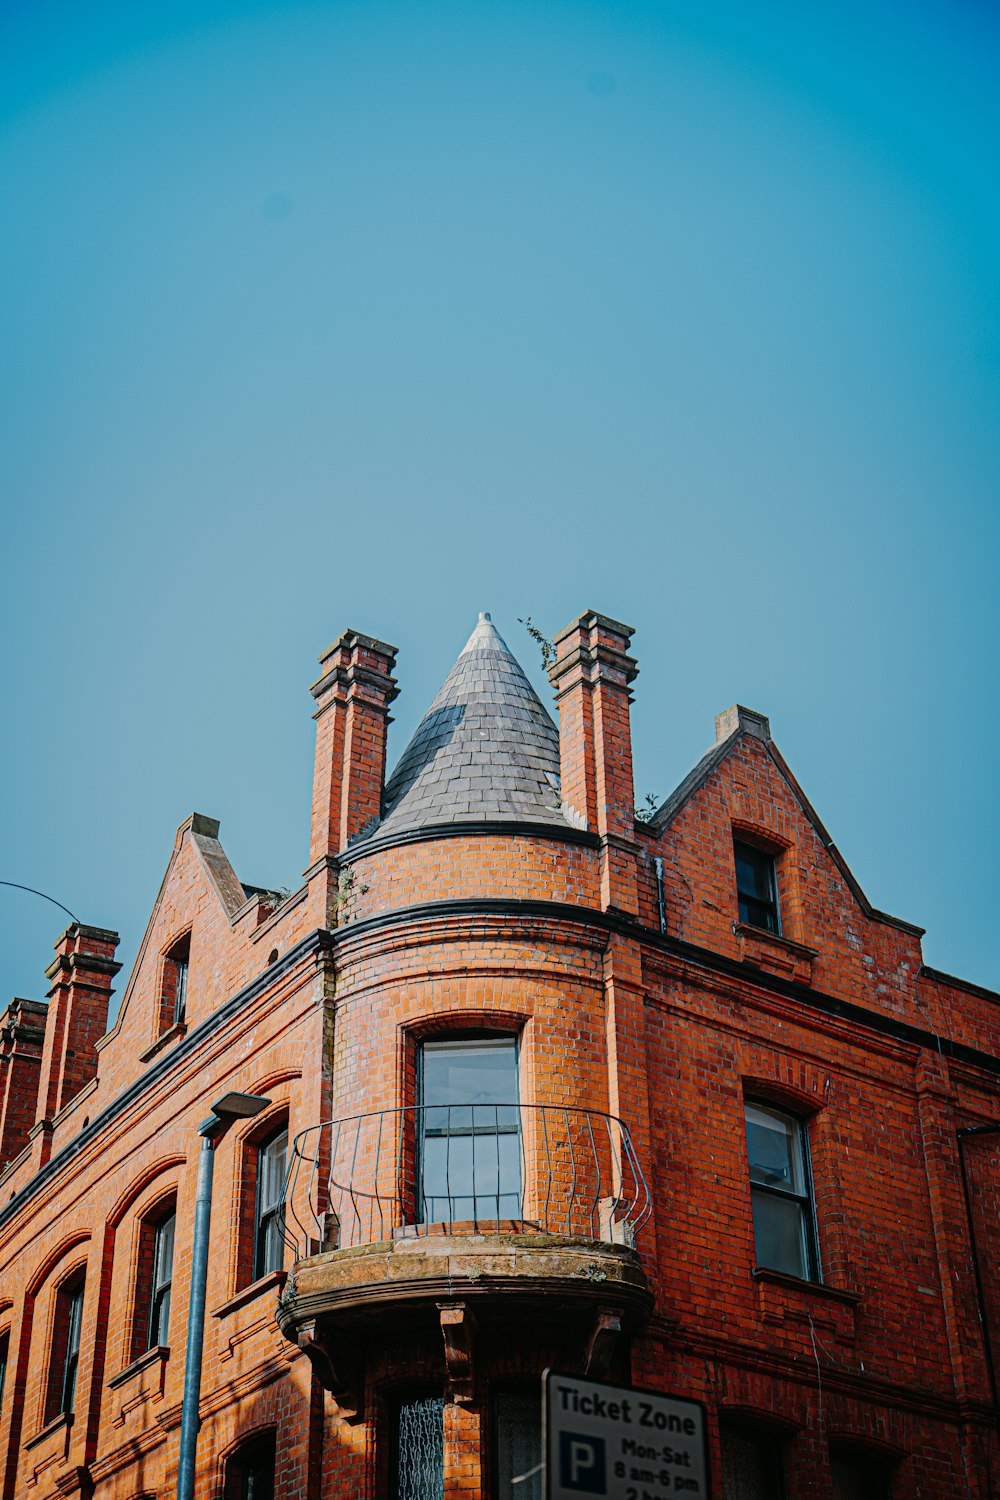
(352, 720)
(22, 1034)
(81, 975)
(591, 676)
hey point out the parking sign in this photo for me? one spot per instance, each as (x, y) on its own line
(610, 1442)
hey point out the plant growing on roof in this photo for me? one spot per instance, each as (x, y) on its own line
(645, 811)
(543, 643)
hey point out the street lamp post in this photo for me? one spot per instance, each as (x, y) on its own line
(227, 1109)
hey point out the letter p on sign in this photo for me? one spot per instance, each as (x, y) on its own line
(582, 1463)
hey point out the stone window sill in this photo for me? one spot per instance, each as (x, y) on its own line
(158, 1355)
(62, 1423)
(789, 1299)
(776, 955)
(273, 1281)
(174, 1034)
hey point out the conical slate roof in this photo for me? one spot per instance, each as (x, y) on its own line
(485, 751)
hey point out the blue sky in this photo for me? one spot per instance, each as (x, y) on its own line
(377, 315)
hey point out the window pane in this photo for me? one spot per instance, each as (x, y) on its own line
(71, 1307)
(269, 1250)
(779, 1229)
(180, 991)
(518, 1446)
(4, 1346)
(470, 1150)
(774, 1146)
(755, 887)
(470, 1072)
(753, 872)
(250, 1470)
(751, 1465)
(271, 1171)
(163, 1253)
(420, 1449)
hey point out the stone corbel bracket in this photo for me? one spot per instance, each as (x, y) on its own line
(335, 1371)
(458, 1333)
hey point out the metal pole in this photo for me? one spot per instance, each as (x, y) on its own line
(196, 1318)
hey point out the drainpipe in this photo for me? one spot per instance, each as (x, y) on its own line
(227, 1109)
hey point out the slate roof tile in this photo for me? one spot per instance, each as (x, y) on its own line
(486, 749)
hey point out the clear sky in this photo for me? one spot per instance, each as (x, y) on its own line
(379, 314)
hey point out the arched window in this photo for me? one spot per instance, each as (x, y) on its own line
(173, 996)
(4, 1350)
(858, 1476)
(163, 1268)
(781, 1191)
(250, 1469)
(154, 1277)
(64, 1356)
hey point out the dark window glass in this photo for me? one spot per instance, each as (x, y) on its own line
(4, 1346)
(175, 982)
(518, 1445)
(780, 1191)
(163, 1265)
(250, 1470)
(69, 1311)
(419, 1449)
(756, 888)
(269, 1247)
(858, 1478)
(470, 1145)
(180, 988)
(752, 1466)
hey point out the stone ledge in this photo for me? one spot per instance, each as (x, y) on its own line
(501, 1269)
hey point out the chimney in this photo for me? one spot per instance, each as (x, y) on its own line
(81, 975)
(22, 1033)
(740, 720)
(591, 676)
(352, 719)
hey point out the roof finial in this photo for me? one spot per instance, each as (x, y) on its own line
(484, 614)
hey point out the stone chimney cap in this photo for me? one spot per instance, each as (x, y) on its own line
(740, 720)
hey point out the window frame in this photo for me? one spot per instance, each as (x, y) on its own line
(160, 1290)
(472, 1039)
(766, 861)
(397, 1400)
(65, 1345)
(4, 1362)
(235, 1478)
(174, 983)
(805, 1200)
(271, 1215)
(524, 1391)
(771, 1441)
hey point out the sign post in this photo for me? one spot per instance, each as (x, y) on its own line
(610, 1442)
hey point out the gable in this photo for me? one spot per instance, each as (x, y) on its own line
(830, 934)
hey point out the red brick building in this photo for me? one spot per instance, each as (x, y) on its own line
(668, 1102)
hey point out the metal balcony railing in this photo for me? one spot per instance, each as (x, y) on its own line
(463, 1168)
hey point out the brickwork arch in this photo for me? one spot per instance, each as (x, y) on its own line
(139, 1184)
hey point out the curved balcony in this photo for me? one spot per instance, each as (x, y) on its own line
(466, 1217)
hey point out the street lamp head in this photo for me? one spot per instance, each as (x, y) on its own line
(231, 1107)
